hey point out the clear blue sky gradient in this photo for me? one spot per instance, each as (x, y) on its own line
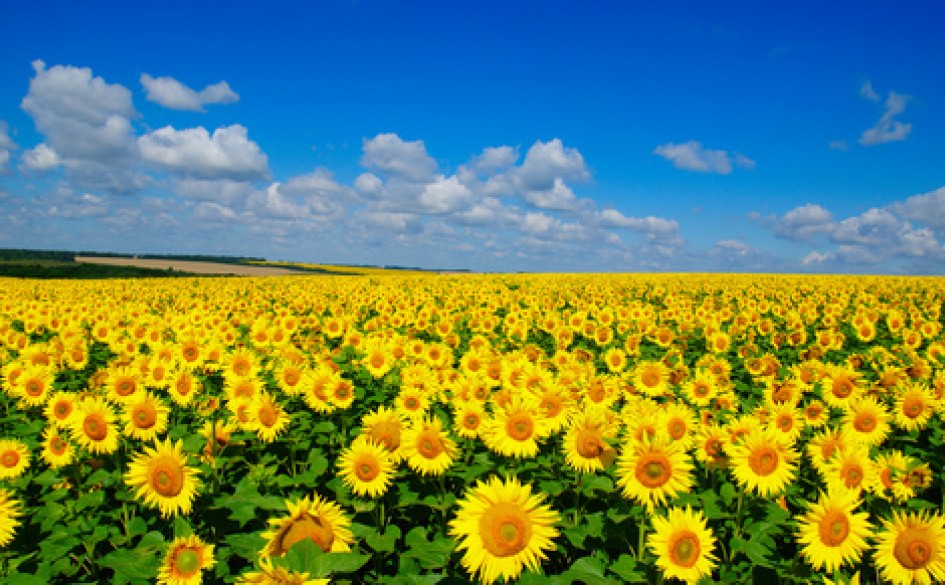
(785, 86)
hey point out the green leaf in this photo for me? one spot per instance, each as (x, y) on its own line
(24, 579)
(58, 545)
(430, 555)
(182, 527)
(728, 493)
(588, 570)
(598, 483)
(93, 499)
(329, 564)
(386, 542)
(245, 545)
(139, 563)
(626, 569)
(710, 506)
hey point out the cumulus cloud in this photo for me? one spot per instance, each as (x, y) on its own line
(445, 195)
(494, 159)
(927, 208)
(888, 128)
(7, 146)
(803, 223)
(226, 154)
(547, 162)
(391, 155)
(39, 159)
(691, 156)
(654, 226)
(170, 93)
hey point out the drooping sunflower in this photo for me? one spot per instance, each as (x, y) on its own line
(683, 544)
(93, 426)
(317, 519)
(186, 557)
(57, 450)
(503, 527)
(515, 429)
(162, 479)
(14, 458)
(587, 441)
(762, 463)
(145, 416)
(653, 471)
(910, 548)
(833, 535)
(385, 427)
(366, 468)
(268, 574)
(427, 448)
(9, 512)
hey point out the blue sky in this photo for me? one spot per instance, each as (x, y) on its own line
(496, 136)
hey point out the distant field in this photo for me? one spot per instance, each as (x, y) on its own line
(189, 266)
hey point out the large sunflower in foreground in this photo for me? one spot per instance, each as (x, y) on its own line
(162, 479)
(683, 544)
(911, 548)
(763, 464)
(9, 511)
(652, 471)
(186, 557)
(503, 527)
(834, 535)
(316, 519)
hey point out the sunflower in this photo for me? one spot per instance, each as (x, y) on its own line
(57, 450)
(316, 519)
(892, 476)
(145, 416)
(710, 446)
(366, 467)
(411, 402)
(679, 423)
(914, 407)
(183, 387)
(785, 420)
(867, 421)
(427, 448)
(653, 470)
(833, 534)
(315, 387)
(503, 527)
(59, 408)
(651, 377)
(586, 442)
(468, 417)
(341, 393)
(851, 469)
(911, 548)
(384, 426)
(248, 387)
(269, 418)
(93, 426)
(162, 479)
(9, 512)
(515, 429)
(122, 383)
(186, 557)
(762, 463)
(35, 384)
(274, 575)
(242, 363)
(701, 388)
(841, 385)
(683, 544)
(14, 458)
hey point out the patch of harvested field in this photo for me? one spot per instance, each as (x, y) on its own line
(190, 266)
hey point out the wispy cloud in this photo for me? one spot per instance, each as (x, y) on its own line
(887, 128)
(170, 93)
(867, 91)
(692, 156)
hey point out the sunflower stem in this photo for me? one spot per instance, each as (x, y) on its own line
(578, 485)
(641, 540)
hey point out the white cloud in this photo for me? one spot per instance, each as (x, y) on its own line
(691, 156)
(369, 184)
(226, 192)
(7, 146)
(874, 227)
(173, 94)
(537, 223)
(389, 154)
(494, 159)
(81, 116)
(39, 159)
(612, 218)
(560, 197)
(927, 208)
(803, 223)
(444, 195)
(547, 162)
(193, 152)
(888, 128)
(208, 211)
(867, 91)
(744, 162)
(815, 258)
(838, 145)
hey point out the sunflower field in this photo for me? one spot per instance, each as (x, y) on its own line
(473, 428)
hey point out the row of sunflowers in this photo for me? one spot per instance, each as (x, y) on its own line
(456, 428)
